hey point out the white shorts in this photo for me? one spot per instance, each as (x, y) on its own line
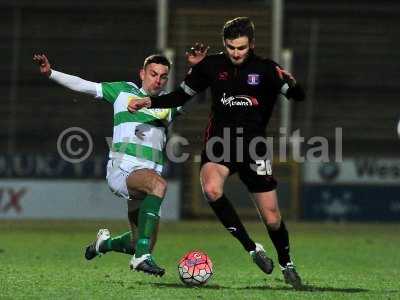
(117, 172)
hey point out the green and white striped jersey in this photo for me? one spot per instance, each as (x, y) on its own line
(138, 137)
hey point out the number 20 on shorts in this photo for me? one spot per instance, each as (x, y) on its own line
(264, 167)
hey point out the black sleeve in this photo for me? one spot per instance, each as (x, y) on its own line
(173, 99)
(198, 77)
(296, 92)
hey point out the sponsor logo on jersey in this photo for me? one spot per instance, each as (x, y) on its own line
(159, 113)
(239, 100)
(253, 79)
(223, 76)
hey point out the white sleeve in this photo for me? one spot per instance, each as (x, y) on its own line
(77, 84)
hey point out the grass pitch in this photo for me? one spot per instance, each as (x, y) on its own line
(44, 260)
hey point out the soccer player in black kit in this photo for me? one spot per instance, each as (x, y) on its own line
(244, 90)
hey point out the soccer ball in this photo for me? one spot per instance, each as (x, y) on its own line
(195, 268)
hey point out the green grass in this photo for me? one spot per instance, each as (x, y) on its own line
(43, 260)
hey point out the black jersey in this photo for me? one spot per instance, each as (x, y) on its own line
(243, 96)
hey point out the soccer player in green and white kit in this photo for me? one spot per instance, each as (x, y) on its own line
(136, 157)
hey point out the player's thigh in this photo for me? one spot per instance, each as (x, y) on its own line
(212, 178)
(143, 178)
(147, 181)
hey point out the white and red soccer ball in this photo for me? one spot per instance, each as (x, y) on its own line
(195, 268)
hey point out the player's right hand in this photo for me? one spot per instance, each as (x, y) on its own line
(43, 62)
(138, 103)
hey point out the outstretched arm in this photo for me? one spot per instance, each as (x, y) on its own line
(71, 82)
(174, 99)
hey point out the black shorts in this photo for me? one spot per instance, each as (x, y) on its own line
(254, 170)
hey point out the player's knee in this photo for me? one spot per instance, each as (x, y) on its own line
(212, 192)
(158, 186)
(274, 222)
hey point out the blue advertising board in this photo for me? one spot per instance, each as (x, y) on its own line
(350, 202)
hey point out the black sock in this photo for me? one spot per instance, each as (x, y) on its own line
(225, 212)
(280, 239)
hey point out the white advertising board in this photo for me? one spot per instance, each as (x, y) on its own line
(376, 171)
(72, 199)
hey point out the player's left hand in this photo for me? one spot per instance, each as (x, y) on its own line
(196, 53)
(138, 103)
(43, 62)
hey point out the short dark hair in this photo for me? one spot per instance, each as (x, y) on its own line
(157, 59)
(237, 27)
